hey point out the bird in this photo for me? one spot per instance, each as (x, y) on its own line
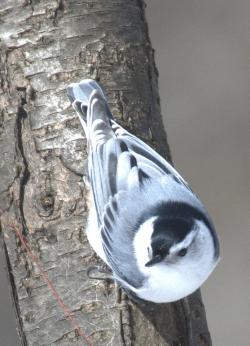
(145, 222)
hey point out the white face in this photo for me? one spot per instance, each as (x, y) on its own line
(142, 243)
(176, 276)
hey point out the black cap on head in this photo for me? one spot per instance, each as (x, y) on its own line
(172, 228)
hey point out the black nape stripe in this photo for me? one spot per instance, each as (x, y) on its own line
(181, 209)
(177, 227)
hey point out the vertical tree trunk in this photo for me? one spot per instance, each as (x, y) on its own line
(46, 45)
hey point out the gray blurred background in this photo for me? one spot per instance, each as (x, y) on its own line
(203, 56)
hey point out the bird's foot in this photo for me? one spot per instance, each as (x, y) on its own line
(95, 272)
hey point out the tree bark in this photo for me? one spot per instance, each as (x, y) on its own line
(44, 46)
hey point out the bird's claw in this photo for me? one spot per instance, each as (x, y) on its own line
(101, 270)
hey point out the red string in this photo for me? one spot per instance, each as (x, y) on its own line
(69, 314)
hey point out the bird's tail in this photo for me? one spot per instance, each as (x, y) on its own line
(90, 103)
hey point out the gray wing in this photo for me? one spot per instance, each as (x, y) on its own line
(115, 177)
(118, 161)
(122, 168)
(148, 159)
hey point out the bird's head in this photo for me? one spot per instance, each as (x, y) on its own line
(171, 239)
(178, 248)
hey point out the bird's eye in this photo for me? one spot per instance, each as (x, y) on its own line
(182, 252)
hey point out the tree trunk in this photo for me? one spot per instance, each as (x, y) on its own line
(46, 45)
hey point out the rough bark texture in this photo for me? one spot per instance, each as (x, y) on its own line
(44, 46)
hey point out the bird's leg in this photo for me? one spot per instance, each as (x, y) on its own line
(93, 272)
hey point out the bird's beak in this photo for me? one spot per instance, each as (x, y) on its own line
(153, 261)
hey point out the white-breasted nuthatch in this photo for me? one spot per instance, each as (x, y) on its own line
(145, 223)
